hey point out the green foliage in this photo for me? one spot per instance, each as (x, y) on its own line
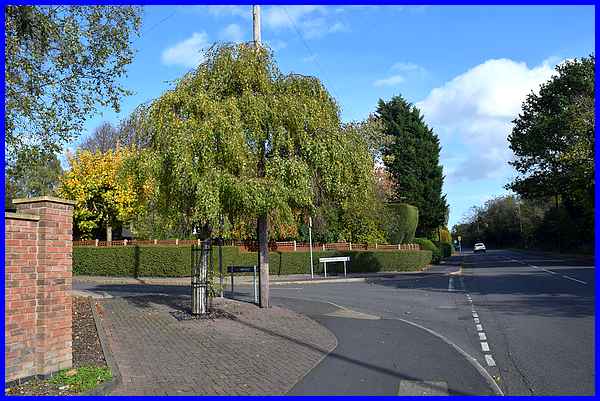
(401, 220)
(509, 221)
(373, 133)
(412, 158)
(237, 137)
(497, 223)
(86, 378)
(428, 245)
(445, 249)
(553, 143)
(61, 63)
(32, 173)
(157, 261)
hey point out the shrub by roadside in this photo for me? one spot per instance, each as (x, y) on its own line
(426, 244)
(170, 261)
(445, 248)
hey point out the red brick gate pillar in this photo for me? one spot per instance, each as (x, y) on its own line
(20, 288)
(53, 343)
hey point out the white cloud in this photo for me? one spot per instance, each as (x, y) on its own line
(338, 27)
(476, 108)
(227, 11)
(310, 20)
(407, 66)
(187, 53)
(232, 33)
(394, 80)
(277, 17)
(276, 44)
(401, 71)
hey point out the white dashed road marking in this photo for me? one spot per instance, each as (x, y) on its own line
(485, 346)
(489, 360)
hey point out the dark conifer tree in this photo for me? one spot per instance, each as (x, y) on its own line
(413, 158)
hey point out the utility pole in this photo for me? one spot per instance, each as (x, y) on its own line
(262, 223)
(256, 25)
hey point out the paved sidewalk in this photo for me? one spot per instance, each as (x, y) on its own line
(273, 279)
(258, 352)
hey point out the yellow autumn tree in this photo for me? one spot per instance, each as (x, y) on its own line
(103, 196)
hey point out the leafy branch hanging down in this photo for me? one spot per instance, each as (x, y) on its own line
(62, 62)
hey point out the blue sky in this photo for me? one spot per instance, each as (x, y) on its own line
(467, 67)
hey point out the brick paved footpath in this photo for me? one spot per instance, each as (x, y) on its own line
(259, 352)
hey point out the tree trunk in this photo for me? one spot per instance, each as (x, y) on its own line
(263, 259)
(108, 233)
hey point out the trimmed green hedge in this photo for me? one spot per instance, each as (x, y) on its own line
(170, 261)
(428, 245)
(402, 220)
(445, 249)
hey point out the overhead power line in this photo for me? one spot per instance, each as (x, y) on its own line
(310, 52)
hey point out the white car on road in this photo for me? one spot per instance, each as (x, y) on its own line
(479, 247)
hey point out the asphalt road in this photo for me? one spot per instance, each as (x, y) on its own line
(534, 313)
(383, 356)
(538, 314)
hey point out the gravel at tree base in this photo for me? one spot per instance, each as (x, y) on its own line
(87, 351)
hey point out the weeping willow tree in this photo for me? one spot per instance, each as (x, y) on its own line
(238, 138)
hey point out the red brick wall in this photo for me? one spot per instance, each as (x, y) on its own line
(38, 282)
(20, 280)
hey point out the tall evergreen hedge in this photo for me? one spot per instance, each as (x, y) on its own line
(402, 220)
(171, 261)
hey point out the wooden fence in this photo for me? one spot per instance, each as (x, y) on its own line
(252, 246)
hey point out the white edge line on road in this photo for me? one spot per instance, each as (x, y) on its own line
(548, 271)
(486, 375)
(574, 279)
(489, 360)
(490, 380)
